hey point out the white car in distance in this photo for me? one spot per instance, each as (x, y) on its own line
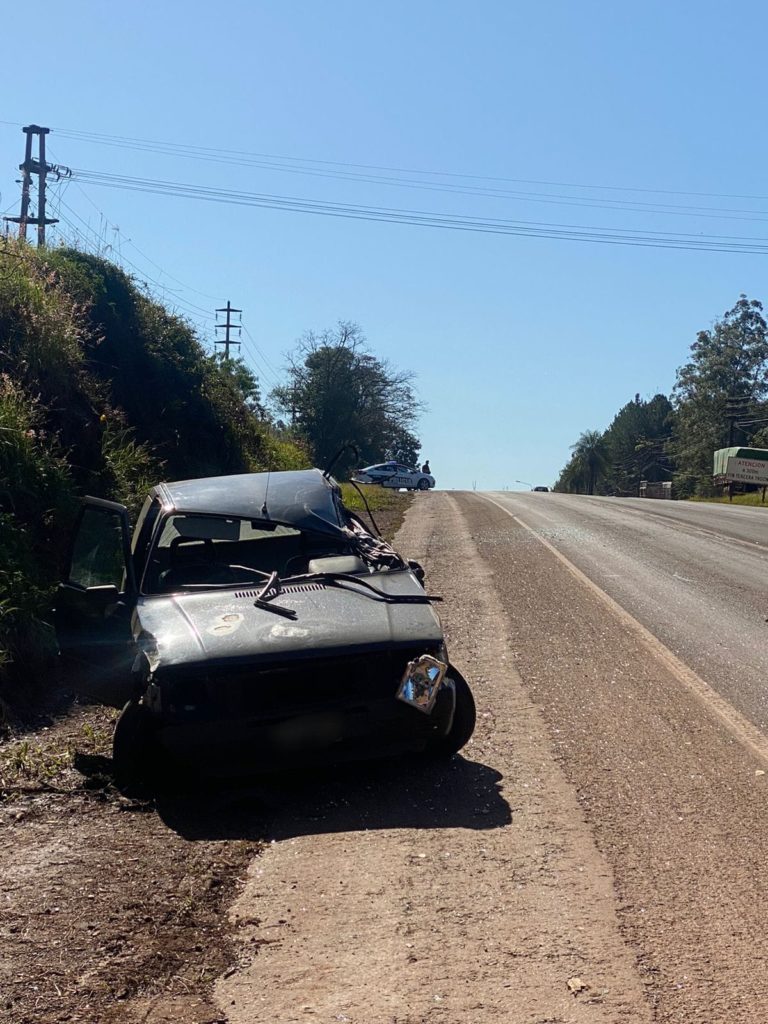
(394, 475)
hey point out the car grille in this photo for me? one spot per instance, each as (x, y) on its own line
(285, 689)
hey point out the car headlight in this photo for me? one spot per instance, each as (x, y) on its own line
(421, 682)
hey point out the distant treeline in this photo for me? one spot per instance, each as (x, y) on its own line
(720, 397)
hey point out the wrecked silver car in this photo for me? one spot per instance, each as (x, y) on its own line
(251, 622)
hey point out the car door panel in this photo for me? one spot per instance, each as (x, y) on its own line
(94, 605)
(400, 479)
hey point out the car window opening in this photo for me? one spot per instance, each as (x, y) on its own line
(201, 551)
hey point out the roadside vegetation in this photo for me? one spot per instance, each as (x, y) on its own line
(388, 507)
(720, 399)
(754, 498)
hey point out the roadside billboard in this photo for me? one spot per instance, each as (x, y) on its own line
(747, 471)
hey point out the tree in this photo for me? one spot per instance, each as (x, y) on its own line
(337, 393)
(572, 479)
(636, 444)
(244, 379)
(590, 455)
(403, 446)
(729, 363)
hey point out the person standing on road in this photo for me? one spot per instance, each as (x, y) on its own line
(425, 468)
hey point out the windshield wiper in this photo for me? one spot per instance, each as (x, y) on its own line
(270, 590)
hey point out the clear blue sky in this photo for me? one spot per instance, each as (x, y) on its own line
(518, 343)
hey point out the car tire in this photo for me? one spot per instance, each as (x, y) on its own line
(134, 750)
(423, 485)
(463, 724)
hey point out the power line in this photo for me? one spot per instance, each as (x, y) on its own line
(129, 241)
(253, 359)
(134, 266)
(420, 218)
(350, 171)
(629, 236)
(270, 374)
(191, 311)
(187, 287)
(258, 368)
(269, 164)
(219, 153)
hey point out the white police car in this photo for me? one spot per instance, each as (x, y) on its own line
(395, 475)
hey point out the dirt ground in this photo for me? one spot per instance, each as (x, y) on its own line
(113, 910)
(108, 914)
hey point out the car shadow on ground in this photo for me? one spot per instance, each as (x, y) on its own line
(408, 793)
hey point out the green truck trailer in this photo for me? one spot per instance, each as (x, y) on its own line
(740, 466)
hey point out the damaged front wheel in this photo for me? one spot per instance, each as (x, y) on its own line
(463, 724)
(134, 750)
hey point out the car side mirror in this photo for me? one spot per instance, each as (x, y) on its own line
(105, 597)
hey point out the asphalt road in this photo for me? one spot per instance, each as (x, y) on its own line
(639, 632)
(694, 574)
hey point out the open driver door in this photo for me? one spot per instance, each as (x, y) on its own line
(95, 604)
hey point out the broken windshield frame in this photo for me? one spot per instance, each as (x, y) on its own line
(204, 551)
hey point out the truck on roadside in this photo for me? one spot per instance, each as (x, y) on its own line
(743, 467)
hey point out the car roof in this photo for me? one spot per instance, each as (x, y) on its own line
(302, 498)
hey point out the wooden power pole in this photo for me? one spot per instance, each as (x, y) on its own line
(227, 327)
(42, 169)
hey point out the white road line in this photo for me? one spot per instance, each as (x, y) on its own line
(542, 515)
(747, 734)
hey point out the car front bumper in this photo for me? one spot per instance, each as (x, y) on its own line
(317, 735)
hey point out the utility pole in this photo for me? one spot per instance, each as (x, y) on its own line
(25, 182)
(42, 169)
(228, 326)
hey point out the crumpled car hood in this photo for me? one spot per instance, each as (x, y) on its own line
(221, 625)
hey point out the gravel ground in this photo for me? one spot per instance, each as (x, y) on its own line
(108, 914)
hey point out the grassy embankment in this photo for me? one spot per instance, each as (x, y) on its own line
(388, 506)
(102, 391)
